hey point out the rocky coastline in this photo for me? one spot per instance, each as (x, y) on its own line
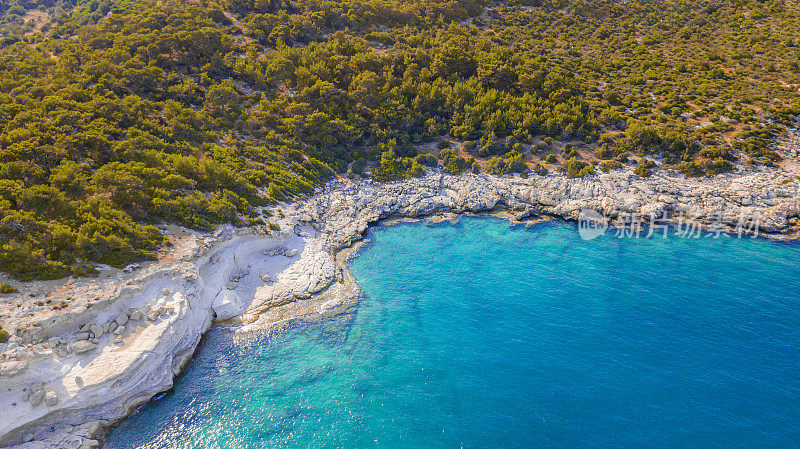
(86, 352)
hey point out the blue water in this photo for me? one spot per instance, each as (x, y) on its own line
(480, 335)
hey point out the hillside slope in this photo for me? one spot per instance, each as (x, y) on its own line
(117, 116)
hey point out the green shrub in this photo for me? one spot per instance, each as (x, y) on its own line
(690, 169)
(714, 166)
(414, 170)
(542, 146)
(510, 163)
(427, 159)
(5, 288)
(717, 153)
(16, 10)
(540, 169)
(607, 166)
(574, 168)
(455, 165)
(551, 159)
(492, 147)
(644, 168)
(389, 168)
(358, 166)
(4, 337)
(608, 152)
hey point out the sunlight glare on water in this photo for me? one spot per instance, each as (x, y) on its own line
(482, 335)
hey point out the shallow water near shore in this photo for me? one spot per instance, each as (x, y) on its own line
(483, 335)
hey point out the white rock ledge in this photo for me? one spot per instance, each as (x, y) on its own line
(97, 348)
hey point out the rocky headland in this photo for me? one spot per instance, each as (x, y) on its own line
(86, 352)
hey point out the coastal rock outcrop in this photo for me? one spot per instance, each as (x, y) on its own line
(120, 338)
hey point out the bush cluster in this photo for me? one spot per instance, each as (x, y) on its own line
(116, 116)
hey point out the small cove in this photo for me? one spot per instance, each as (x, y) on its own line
(483, 335)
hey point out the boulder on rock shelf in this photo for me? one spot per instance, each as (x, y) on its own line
(36, 397)
(51, 397)
(276, 251)
(226, 306)
(79, 347)
(96, 329)
(9, 369)
(232, 285)
(122, 319)
(265, 277)
(136, 315)
(291, 253)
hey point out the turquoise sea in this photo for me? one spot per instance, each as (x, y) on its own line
(483, 335)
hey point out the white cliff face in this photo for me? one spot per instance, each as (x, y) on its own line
(114, 349)
(100, 347)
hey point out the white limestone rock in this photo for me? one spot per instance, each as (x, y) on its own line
(226, 306)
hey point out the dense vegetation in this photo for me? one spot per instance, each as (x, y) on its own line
(118, 115)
